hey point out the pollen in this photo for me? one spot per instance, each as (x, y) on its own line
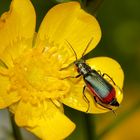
(37, 76)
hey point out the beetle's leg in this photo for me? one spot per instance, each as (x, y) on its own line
(105, 74)
(73, 76)
(67, 66)
(77, 76)
(113, 111)
(112, 81)
(99, 72)
(97, 103)
(104, 106)
(70, 76)
(85, 98)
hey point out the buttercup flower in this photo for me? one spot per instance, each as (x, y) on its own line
(33, 84)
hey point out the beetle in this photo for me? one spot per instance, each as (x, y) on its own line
(103, 91)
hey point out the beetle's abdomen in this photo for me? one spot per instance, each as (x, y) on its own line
(100, 87)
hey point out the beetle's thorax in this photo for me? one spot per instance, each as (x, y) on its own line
(82, 67)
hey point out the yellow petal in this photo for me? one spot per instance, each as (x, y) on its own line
(17, 27)
(65, 23)
(6, 98)
(44, 120)
(13, 107)
(76, 98)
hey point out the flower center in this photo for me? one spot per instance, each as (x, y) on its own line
(37, 75)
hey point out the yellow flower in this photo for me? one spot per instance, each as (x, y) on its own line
(32, 85)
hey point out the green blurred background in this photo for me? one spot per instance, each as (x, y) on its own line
(120, 25)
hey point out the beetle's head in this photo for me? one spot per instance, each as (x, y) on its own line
(79, 62)
(114, 103)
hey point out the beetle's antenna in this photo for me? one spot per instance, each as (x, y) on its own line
(87, 47)
(73, 50)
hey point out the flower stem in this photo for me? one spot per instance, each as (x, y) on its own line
(15, 128)
(90, 127)
(92, 6)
